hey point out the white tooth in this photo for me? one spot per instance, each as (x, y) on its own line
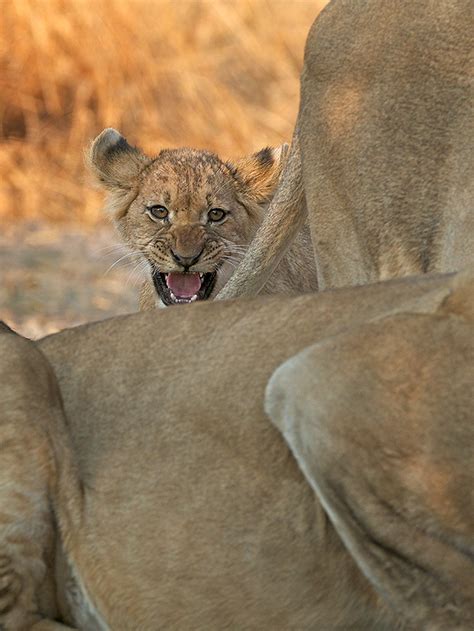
(172, 295)
(200, 275)
(193, 298)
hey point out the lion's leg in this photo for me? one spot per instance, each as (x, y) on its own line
(27, 473)
(383, 202)
(380, 421)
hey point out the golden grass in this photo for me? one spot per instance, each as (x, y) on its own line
(216, 74)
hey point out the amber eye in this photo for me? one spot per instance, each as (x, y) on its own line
(216, 214)
(157, 212)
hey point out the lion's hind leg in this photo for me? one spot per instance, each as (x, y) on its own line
(28, 400)
(26, 528)
(380, 421)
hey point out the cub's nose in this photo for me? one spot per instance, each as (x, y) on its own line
(186, 261)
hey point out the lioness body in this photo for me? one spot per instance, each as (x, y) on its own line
(176, 502)
(382, 152)
(380, 418)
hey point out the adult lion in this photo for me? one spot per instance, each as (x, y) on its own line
(382, 151)
(143, 487)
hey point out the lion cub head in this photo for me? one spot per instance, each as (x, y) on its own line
(188, 213)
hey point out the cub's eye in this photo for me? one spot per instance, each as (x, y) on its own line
(216, 214)
(157, 212)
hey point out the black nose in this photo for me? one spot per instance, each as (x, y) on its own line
(186, 261)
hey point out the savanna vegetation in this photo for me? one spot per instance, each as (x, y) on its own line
(215, 74)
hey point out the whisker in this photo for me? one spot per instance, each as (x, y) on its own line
(232, 251)
(235, 247)
(103, 253)
(232, 263)
(232, 242)
(128, 255)
(114, 246)
(235, 255)
(137, 273)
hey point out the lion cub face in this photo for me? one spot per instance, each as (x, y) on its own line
(187, 212)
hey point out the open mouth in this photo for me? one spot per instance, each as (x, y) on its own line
(176, 288)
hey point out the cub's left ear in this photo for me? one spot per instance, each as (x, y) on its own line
(260, 172)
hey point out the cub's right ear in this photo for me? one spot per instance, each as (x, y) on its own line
(114, 162)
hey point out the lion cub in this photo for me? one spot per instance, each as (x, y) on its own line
(191, 216)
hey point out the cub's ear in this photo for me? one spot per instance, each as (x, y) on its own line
(114, 162)
(260, 172)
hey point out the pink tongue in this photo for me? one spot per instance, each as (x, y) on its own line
(183, 285)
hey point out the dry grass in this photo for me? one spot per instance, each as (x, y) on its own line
(215, 74)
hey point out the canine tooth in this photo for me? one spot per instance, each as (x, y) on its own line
(172, 295)
(193, 298)
(201, 274)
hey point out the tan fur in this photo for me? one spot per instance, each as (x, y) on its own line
(175, 503)
(189, 183)
(380, 419)
(36, 469)
(382, 152)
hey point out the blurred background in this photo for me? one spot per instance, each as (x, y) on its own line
(216, 74)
